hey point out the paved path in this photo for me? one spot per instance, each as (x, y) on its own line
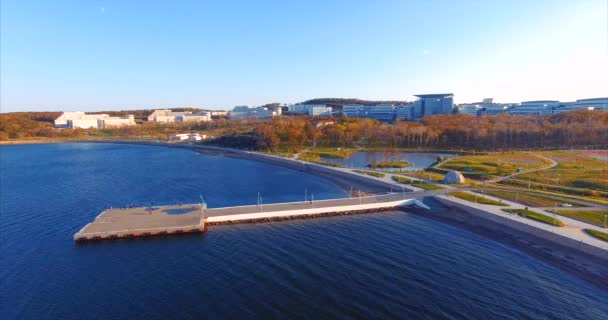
(573, 228)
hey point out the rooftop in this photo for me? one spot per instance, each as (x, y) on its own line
(434, 95)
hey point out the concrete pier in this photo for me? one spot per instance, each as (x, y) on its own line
(174, 219)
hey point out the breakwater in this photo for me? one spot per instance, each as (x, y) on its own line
(177, 219)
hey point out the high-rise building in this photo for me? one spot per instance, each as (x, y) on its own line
(432, 104)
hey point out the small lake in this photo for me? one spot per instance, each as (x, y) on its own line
(417, 160)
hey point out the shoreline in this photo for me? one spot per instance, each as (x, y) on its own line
(585, 266)
(560, 252)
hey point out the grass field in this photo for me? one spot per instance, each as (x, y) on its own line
(477, 199)
(336, 153)
(575, 170)
(425, 175)
(498, 164)
(597, 234)
(532, 215)
(531, 200)
(595, 217)
(389, 164)
(418, 183)
(371, 173)
(314, 158)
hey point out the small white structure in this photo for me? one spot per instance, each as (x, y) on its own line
(454, 177)
(188, 137)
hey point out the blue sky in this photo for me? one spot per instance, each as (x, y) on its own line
(102, 55)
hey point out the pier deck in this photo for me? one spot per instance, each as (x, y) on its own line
(135, 222)
(149, 221)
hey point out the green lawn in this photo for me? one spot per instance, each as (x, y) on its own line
(314, 158)
(477, 199)
(418, 183)
(425, 175)
(499, 164)
(574, 170)
(371, 173)
(595, 217)
(336, 153)
(528, 199)
(536, 216)
(389, 164)
(597, 234)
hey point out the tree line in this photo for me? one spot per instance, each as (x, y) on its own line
(572, 129)
(578, 128)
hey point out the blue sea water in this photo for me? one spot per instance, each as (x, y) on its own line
(386, 265)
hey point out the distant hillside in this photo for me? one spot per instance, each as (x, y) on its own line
(343, 101)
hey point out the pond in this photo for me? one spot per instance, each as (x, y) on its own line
(417, 160)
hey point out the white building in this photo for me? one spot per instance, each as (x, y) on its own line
(86, 121)
(79, 119)
(83, 123)
(116, 122)
(168, 116)
(246, 112)
(194, 117)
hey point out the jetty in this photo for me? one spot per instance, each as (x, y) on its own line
(194, 218)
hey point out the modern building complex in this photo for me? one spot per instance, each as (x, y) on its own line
(433, 104)
(384, 112)
(85, 121)
(320, 111)
(594, 103)
(486, 107)
(246, 112)
(535, 108)
(313, 110)
(532, 108)
(168, 116)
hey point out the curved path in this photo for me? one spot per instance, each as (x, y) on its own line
(553, 165)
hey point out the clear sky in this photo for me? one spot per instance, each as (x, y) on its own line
(101, 55)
